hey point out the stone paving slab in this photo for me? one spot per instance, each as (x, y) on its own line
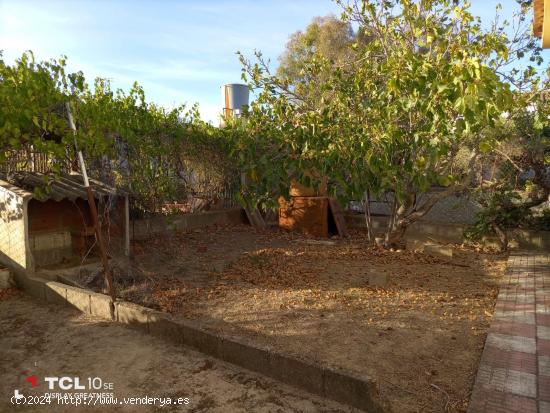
(511, 360)
(514, 371)
(544, 365)
(512, 343)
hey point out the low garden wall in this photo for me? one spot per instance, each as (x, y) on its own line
(438, 231)
(143, 228)
(454, 233)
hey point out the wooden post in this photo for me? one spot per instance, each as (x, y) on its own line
(126, 226)
(252, 213)
(97, 225)
(368, 218)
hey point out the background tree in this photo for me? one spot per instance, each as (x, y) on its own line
(516, 179)
(407, 114)
(326, 38)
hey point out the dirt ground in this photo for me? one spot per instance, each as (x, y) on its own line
(420, 336)
(47, 340)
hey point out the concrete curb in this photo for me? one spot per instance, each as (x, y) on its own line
(355, 390)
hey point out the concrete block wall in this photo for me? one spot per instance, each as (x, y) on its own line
(454, 233)
(458, 209)
(54, 224)
(14, 251)
(51, 247)
(143, 228)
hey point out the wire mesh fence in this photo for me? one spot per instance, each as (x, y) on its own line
(194, 186)
(30, 161)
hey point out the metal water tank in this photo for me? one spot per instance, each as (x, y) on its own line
(234, 98)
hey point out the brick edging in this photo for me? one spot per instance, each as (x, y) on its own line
(509, 377)
(336, 384)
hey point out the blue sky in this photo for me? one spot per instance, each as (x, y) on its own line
(179, 51)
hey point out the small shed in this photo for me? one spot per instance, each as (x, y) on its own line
(56, 227)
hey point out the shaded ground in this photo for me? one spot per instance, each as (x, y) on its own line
(420, 336)
(49, 340)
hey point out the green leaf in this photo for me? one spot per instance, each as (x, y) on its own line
(485, 146)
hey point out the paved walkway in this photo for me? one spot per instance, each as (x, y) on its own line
(514, 372)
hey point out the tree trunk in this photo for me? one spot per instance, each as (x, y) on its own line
(368, 218)
(398, 224)
(394, 238)
(409, 212)
(391, 222)
(502, 237)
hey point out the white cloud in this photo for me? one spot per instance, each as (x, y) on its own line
(168, 69)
